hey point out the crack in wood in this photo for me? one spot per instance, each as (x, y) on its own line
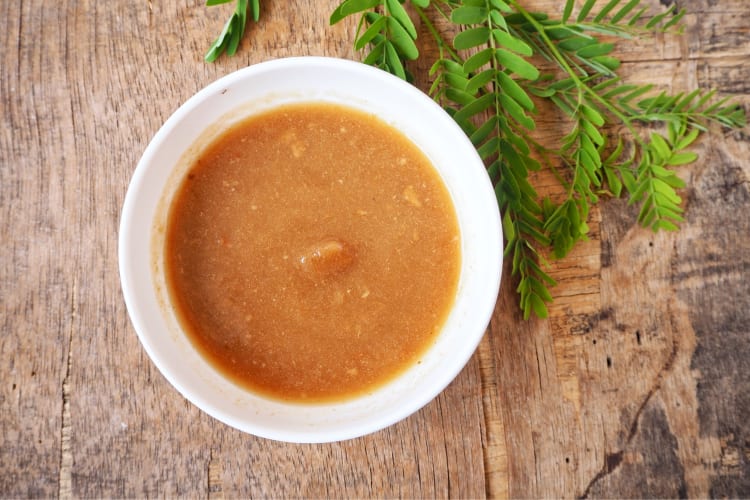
(613, 460)
(215, 483)
(65, 478)
(65, 474)
(493, 448)
(723, 271)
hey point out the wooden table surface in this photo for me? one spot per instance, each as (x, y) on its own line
(637, 385)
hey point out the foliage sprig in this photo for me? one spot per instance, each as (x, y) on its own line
(387, 29)
(229, 38)
(488, 78)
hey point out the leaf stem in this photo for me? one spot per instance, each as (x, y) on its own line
(563, 62)
(442, 44)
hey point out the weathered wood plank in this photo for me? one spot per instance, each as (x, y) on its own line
(616, 406)
(637, 385)
(38, 303)
(101, 421)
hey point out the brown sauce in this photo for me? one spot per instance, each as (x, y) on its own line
(312, 253)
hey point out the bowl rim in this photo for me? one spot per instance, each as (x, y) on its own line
(128, 225)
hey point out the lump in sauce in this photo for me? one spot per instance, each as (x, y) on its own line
(325, 259)
(312, 253)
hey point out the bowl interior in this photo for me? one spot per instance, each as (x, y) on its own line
(258, 88)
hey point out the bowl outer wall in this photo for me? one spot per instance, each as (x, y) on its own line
(425, 123)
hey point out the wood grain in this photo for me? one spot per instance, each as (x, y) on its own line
(616, 405)
(637, 385)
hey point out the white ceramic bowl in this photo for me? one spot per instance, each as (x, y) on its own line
(261, 87)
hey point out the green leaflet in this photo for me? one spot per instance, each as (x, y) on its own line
(349, 7)
(510, 87)
(512, 43)
(469, 15)
(398, 14)
(401, 39)
(516, 64)
(471, 38)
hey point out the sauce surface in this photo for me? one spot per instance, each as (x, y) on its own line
(312, 253)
